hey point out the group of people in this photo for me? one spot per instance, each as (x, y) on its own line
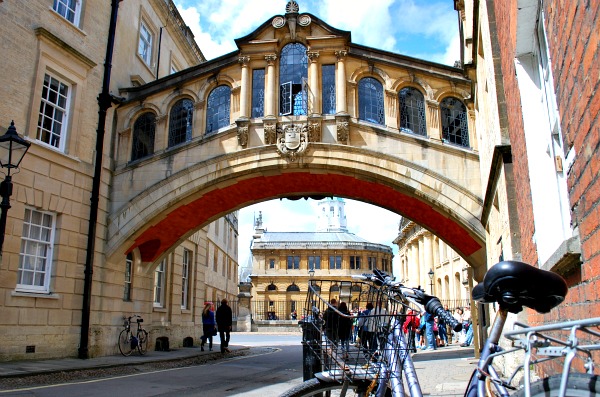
(431, 332)
(220, 321)
(358, 327)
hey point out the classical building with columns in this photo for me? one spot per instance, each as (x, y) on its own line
(427, 261)
(283, 263)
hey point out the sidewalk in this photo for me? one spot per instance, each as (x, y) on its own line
(443, 372)
(37, 367)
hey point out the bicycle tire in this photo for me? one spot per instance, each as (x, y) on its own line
(579, 385)
(142, 336)
(125, 342)
(318, 387)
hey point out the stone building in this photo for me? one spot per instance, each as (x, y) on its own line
(283, 263)
(53, 73)
(425, 260)
(535, 71)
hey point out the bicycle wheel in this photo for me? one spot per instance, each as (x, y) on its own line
(318, 387)
(142, 336)
(125, 342)
(579, 385)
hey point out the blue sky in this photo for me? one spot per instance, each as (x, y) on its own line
(424, 29)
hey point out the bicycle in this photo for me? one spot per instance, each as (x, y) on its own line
(128, 342)
(389, 370)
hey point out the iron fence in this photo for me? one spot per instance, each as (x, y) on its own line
(271, 310)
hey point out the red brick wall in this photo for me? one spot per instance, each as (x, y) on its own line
(573, 34)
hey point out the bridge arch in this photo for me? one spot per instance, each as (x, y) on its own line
(163, 215)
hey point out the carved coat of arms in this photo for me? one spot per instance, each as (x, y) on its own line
(292, 140)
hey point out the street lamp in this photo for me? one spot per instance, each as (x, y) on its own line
(12, 151)
(311, 272)
(430, 274)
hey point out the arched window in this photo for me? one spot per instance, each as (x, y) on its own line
(293, 288)
(293, 72)
(217, 111)
(143, 136)
(271, 287)
(335, 288)
(454, 122)
(412, 111)
(370, 101)
(180, 122)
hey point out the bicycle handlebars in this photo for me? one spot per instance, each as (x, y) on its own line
(430, 303)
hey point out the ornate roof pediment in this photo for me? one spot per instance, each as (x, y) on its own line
(293, 26)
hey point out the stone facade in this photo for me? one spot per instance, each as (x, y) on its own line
(284, 263)
(421, 252)
(59, 55)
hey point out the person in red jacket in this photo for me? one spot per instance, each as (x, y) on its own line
(410, 326)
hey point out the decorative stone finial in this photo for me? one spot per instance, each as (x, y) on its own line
(292, 6)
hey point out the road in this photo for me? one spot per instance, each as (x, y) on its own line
(271, 365)
(265, 371)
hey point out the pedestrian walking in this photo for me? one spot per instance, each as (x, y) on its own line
(367, 330)
(208, 325)
(331, 319)
(344, 327)
(224, 319)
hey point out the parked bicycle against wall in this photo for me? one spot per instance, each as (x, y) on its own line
(128, 342)
(389, 371)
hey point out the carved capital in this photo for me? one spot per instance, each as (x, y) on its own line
(314, 129)
(199, 105)
(271, 58)
(341, 54)
(313, 55)
(244, 60)
(160, 118)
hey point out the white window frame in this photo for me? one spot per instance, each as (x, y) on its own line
(54, 107)
(185, 278)
(160, 275)
(148, 50)
(76, 11)
(32, 244)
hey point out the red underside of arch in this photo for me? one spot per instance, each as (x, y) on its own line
(163, 235)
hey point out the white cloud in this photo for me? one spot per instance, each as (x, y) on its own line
(418, 28)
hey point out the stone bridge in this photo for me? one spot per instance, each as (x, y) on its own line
(170, 189)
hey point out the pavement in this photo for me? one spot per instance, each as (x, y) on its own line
(442, 372)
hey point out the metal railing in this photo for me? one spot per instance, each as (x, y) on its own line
(269, 310)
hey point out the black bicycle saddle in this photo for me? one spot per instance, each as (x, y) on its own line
(516, 284)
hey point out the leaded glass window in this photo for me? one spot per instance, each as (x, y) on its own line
(258, 93)
(217, 111)
(328, 89)
(293, 72)
(370, 101)
(180, 124)
(144, 130)
(454, 122)
(412, 111)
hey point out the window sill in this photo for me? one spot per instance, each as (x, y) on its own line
(42, 295)
(566, 258)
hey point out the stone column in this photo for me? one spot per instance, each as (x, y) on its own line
(245, 86)
(340, 82)
(270, 95)
(314, 91)
(244, 319)
(433, 116)
(428, 259)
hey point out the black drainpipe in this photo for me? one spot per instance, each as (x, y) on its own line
(104, 103)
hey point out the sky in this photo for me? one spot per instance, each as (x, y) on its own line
(424, 29)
